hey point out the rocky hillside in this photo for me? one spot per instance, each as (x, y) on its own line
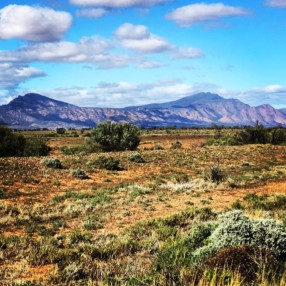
(202, 109)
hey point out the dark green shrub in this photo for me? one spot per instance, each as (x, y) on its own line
(53, 163)
(137, 158)
(112, 136)
(215, 174)
(61, 130)
(78, 173)
(36, 147)
(278, 135)
(108, 163)
(255, 135)
(237, 205)
(12, 144)
(266, 202)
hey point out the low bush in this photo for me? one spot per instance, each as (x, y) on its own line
(236, 229)
(215, 174)
(78, 173)
(53, 163)
(137, 158)
(107, 163)
(13, 144)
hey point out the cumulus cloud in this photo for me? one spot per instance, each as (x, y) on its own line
(276, 3)
(118, 3)
(122, 94)
(33, 23)
(192, 14)
(92, 13)
(274, 94)
(12, 75)
(138, 38)
(91, 50)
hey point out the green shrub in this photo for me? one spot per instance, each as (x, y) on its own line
(237, 205)
(255, 135)
(78, 173)
(61, 130)
(12, 144)
(137, 158)
(215, 174)
(268, 203)
(53, 163)
(36, 147)
(108, 163)
(112, 136)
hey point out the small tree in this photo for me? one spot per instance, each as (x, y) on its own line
(112, 136)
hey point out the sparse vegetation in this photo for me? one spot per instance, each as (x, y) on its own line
(164, 222)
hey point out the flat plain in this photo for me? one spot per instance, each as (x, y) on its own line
(111, 227)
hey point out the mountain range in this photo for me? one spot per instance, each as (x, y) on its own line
(33, 111)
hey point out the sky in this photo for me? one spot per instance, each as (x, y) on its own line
(117, 53)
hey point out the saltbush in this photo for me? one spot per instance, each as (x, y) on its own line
(236, 229)
(78, 173)
(107, 163)
(53, 163)
(137, 158)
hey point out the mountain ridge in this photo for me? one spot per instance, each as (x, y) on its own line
(33, 111)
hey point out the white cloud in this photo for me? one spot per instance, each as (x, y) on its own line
(12, 75)
(88, 50)
(188, 53)
(91, 50)
(122, 94)
(138, 38)
(118, 3)
(92, 12)
(276, 3)
(192, 14)
(274, 94)
(33, 23)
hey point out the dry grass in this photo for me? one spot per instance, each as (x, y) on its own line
(39, 203)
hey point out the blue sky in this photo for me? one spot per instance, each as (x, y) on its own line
(115, 53)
